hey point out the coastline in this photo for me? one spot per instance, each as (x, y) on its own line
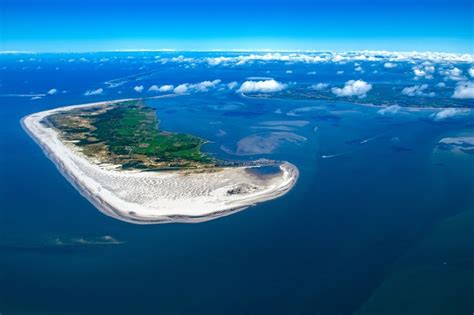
(157, 197)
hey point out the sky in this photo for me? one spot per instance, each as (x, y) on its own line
(337, 25)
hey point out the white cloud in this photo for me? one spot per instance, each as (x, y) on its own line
(358, 68)
(340, 72)
(353, 88)
(138, 88)
(441, 85)
(471, 72)
(319, 57)
(448, 113)
(319, 86)
(417, 90)
(464, 90)
(392, 109)
(390, 65)
(180, 89)
(218, 60)
(454, 74)
(94, 92)
(52, 91)
(166, 88)
(232, 85)
(181, 59)
(266, 86)
(430, 68)
(204, 86)
(289, 71)
(419, 73)
(424, 72)
(163, 88)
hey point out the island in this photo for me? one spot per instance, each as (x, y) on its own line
(115, 154)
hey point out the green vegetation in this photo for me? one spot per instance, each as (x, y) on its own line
(128, 134)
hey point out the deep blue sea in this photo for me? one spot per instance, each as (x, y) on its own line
(380, 221)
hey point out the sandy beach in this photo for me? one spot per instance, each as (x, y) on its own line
(157, 197)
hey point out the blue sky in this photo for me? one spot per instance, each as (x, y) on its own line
(72, 25)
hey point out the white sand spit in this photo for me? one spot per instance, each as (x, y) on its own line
(163, 196)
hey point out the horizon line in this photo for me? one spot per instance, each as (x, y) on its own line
(5, 52)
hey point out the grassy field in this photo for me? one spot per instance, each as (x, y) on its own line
(128, 134)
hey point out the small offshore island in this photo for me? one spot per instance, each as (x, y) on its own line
(115, 154)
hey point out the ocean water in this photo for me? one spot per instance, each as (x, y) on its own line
(379, 222)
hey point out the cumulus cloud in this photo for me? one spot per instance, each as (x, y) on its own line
(266, 86)
(392, 109)
(138, 88)
(163, 88)
(204, 86)
(180, 89)
(471, 72)
(340, 72)
(419, 73)
(319, 86)
(353, 88)
(447, 113)
(389, 65)
(153, 88)
(94, 92)
(429, 68)
(464, 90)
(441, 85)
(417, 90)
(52, 91)
(424, 72)
(454, 74)
(166, 88)
(218, 60)
(181, 59)
(319, 57)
